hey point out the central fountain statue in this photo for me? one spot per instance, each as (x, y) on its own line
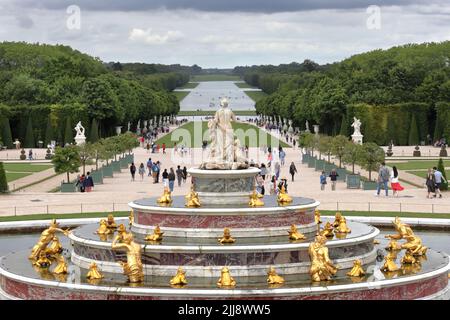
(224, 151)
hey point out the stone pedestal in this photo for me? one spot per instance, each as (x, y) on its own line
(357, 138)
(80, 140)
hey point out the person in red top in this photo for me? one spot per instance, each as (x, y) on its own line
(157, 148)
(142, 142)
(164, 148)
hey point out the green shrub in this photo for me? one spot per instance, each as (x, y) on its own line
(3, 181)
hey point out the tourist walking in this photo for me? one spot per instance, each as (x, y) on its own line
(171, 178)
(383, 179)
(263, 171)
(132, 171)
(179, 173)
(277, 169)
(80, 183)
(184, 174)
(165, 176)
(323, 180)
(430, 182)
(273, 185)
(164, 148)
(333, 178)
(282, 155)
(292, 170)
(149, 166)
(260, 184)
(88, 182)
(30, 155)
(395, 184)
(439, 179)
(283, 183)
(142, 171)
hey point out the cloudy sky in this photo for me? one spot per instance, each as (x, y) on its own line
(225, 33)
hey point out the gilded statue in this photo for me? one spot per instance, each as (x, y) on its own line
(111, 224)
(322, 267)
(294, 234)
(273, 277)
(401, 228)
(55, 247)
(255, 199)
(156, 236)
(43, 261)
(103, 229)
(317, 216)
(389, 263)
(393, 245)
(166, 198)
(357, 270)
(283, 197)
(414, 245)
(408, 258)
(131, 218)
(375, 241)
(133, 268)
(45, 238)
(327, 230)
(180, 278)
(192, 200)
(93, 273)
(226, 237)
(340, 224)
(61, 267)
(226, 280)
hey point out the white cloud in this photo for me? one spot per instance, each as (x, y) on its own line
(150, 37)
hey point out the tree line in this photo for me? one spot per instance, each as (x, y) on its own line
(403, 93)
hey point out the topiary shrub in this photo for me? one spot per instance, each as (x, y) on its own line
(3, 181)
(22, 155)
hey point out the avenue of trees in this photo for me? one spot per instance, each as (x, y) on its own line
(45, 90)
(401, 94)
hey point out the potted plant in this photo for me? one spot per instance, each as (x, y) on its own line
(371, 157)
(22, 155)
(416, 152)
(443, 151)
(352, 153)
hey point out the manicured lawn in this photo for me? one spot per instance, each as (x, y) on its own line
(423, 173)
(11, 176)
(185, 135)
(180, 94)
(189, 85)
(187, 113)
(244, 85)
(215, 77)
(26, 167)
(417, 164)
(256, 95)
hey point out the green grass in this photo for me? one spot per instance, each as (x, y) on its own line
(423, 173)
(215, 77)
(26, 167)
(417, 164)
(190, 142)
(256, 95)
(187, 113)
(62, 216)
(11, 176)
(387, 214)
(244, 85)
(180, 94)
(189, 85)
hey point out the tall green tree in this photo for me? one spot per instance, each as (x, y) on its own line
(6, 133)
(3, 181)
(66, 160)
(49, 135)
(371, 157)
(338, 145)
(352, 154)
(68, 132)
(344, 127)
(413, 138)
(29, 142)
(93, 137)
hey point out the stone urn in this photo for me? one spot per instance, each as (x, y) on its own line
(416, 152)
(22, 155)
(389, 151)
(443, 152)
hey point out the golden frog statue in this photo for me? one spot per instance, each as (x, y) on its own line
(273, 277)
(327, 230)
(180, 278)
(401, 228)
(294, 234)
(156, 236)
(61, 267)
(111, 224)
(408, 258)
(133, 268)
(131, 218)
(322, 267)
(283, 197)
(192, 200)
(226, 280)
(43, 261)
(414, 245)
(121, 230)
(166, 198)
(255, 199)
(55, 248)
(103, 229)
(340, 224)
(393, 245)
(389, 263)
(93, 273)
(357, 270)
(45, 238)
(226, 237)
(317, 216)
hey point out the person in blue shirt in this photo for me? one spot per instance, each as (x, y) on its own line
(323, 180)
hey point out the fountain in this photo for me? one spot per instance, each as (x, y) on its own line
(223, 241)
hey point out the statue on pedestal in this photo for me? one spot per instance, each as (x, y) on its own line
(307, 127)
(357, 137)
(80, 138)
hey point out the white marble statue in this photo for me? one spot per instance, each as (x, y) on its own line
(223, 153)
(80, 138)
(307, 126)
(357, 125)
